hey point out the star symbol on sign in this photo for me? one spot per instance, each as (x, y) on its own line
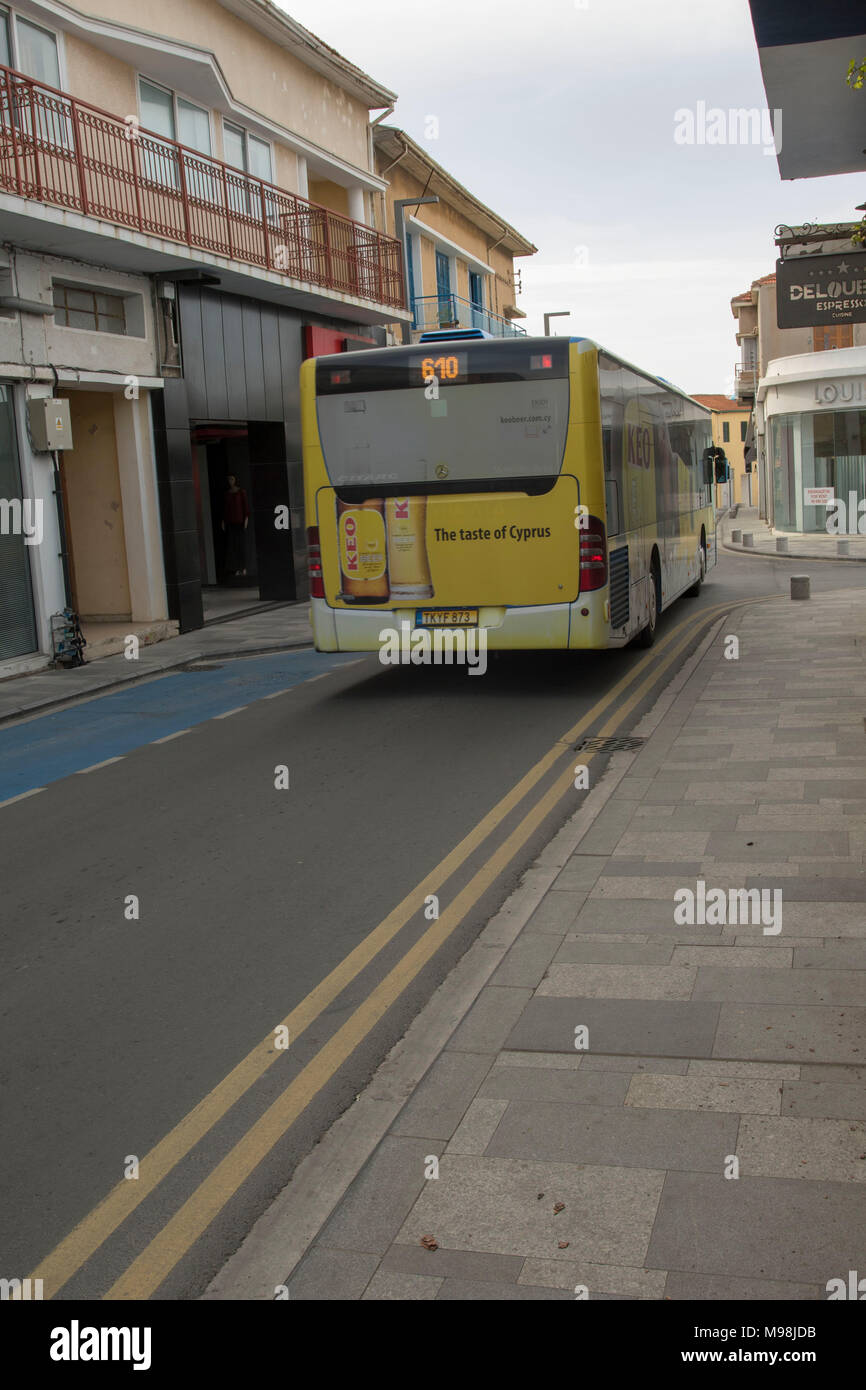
(843, 266)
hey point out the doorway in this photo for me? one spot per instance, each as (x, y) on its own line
(244, 559)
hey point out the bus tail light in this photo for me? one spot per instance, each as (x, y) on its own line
(593, 555)
(314, 563)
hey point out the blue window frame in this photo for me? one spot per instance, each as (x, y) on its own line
(443, 289)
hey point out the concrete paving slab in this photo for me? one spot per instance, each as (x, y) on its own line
(751, 1071)
(669, 1066)
(580, 872)
(824, 1100)
(768, 844)
(572, 1087)
(332, 1275)
(387, 1285)
(527, 960)
(668, 1028)
(769, 1031)
(738, 957)
(463, 1291)
(378, 1201)
(453, 1264)
(597, 1278)
(606, 1136)
(617, 982)
(811, 1149)
(578, 951)
(477, 1127)
(492, 1205)
(557, 913)
(778, 1229)
(732, 1096)
(761, 985)
(705, 1288)
(671, 845)
(836, 889)
(438, 1105)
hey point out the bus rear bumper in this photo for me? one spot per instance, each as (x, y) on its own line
(583, 624)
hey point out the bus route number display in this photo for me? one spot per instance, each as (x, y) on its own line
(445, 366)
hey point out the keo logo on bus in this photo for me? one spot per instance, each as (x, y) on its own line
(638, 446)
(350, 534)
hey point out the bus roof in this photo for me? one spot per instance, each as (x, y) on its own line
(470, 338)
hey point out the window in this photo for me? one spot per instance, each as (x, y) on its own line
(832, 336)
(744, 426)
(33, 51)
(75, 306)
(175, 118)
(37, 52)
(726, 432)
(252, 156)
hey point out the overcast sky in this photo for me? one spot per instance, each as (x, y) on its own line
(561, 116)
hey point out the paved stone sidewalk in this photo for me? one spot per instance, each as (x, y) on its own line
(815, 545)
(274, 629)
(709, 1045)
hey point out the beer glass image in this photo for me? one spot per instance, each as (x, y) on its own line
(408, 566)
(363, 551)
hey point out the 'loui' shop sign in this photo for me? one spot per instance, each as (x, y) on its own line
(818, 290)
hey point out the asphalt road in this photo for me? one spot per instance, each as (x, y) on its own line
(119, 1020)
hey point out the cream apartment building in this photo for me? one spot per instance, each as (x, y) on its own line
(189, 205)
(459, 253)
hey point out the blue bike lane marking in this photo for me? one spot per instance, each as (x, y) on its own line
(55, 745)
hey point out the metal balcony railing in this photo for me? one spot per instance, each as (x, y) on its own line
(450, 311)
(57, 149)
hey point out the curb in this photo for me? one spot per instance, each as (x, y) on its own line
(64, 701)
(285, 1231)
(783, 555)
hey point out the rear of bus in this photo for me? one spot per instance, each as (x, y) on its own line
(442, 488)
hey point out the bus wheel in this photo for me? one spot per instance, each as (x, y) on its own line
(702, 570)
(648, 635)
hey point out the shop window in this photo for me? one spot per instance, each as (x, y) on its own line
(97, 310)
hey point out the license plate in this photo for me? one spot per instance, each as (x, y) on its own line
(447, 617)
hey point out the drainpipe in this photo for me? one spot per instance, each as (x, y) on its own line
(400, 233)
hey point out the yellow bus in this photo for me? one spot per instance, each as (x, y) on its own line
(539, 489)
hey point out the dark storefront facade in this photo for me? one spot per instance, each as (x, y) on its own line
(236, 410)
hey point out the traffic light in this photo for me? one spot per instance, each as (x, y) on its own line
(716, 466)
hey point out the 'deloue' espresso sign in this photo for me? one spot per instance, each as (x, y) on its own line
(821, 290)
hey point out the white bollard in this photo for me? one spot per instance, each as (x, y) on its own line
(782, 544)
(799, 586)
(736, 537)
(748, 538)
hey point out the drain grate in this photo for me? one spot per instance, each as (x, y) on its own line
(610, 745)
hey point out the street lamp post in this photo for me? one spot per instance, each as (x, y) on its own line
(557, 314)
(400, 233)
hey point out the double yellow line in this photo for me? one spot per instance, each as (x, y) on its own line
(148, 1271)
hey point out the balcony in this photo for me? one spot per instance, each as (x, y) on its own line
(433, 312)
(745, 380)
(68, 154)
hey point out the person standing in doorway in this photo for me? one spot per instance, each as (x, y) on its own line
(236, 517)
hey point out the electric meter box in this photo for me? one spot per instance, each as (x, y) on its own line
(50, 426)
